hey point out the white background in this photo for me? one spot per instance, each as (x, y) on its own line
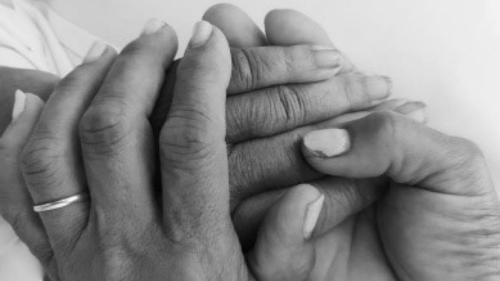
(443, 52)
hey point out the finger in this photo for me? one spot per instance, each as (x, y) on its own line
(289, 27)
(407, 152)
(117, 142)
(272, 163)
(192, 147)
(258, 68)
(413, 110)
(284, 250)
(279, 109)
(16, 205)
(31, 81)
(240, 30)
(50, 161)
(343, 198)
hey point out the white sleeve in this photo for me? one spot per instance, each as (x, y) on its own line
(27, 40)
(11, 58)
(16, 261)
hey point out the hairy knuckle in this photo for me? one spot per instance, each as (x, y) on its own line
(104, 128)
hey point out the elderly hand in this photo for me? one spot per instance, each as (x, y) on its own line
(123, 231)
(275, 93)
(290, 28)
(439, 219)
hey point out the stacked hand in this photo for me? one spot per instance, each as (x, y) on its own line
(125, 231)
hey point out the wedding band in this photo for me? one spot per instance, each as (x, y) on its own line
(61, 203)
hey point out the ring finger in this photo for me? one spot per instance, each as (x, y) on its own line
(51, 160)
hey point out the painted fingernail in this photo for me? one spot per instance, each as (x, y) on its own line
(95, 52)
(202, 32)
(327, 57)
(312, 215)
(327, 143)
(152, 26)
(378, 87)
(19, 105)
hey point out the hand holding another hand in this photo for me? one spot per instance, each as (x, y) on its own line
(93, 138)
(439, 218)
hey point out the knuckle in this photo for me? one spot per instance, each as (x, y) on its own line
(291, 106)
(350, 90)
(104, 128)
(188, 140)
(40, 160)
(242, 71)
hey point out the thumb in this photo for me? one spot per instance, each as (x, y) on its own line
(284, 250)
(192, 142)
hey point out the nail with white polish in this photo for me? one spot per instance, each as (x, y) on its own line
(327, 143)
(202, 32)
(19, 105)
(153, 25)
(312, 215)
(96, 51)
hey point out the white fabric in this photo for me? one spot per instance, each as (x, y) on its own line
(34, 38)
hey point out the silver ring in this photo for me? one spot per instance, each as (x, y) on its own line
(61, 203)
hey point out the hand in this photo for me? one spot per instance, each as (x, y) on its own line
(289, 28)
(123, 232)
(439, 218)
(259, 106)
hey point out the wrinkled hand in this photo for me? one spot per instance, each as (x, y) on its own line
(439, 219)
(290, 28)
(275, 94)
(94, 136)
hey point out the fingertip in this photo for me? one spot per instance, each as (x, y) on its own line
(208, 53)
(286, 231)
(291, 27)
(240, 30)
(29, 108)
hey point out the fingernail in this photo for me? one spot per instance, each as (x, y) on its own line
(312, 215)
(414, 110)
(327, 57)
(327, 143)
(201, 33)
(96, 51)
(19, 105)
(152, 26)
(378, 87)
(419, 116)
(399, 102)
